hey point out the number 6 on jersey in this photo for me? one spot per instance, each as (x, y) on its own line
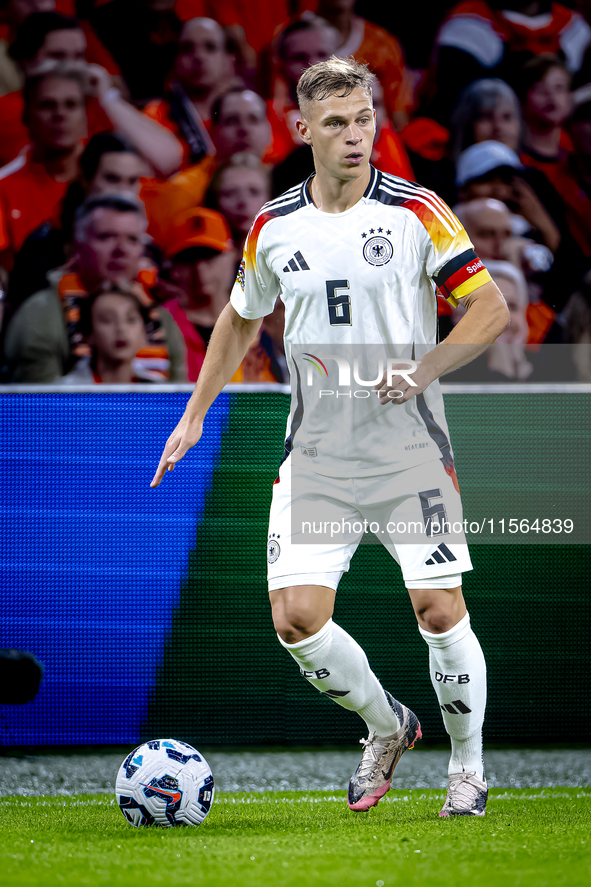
(339, 304)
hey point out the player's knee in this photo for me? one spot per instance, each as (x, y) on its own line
(437, 620)
(294, 624)
(290, 634)
(295, 617)
(438, 610)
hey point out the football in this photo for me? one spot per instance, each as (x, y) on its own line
(166, 783)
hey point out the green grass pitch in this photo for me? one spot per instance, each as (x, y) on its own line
(529, 838)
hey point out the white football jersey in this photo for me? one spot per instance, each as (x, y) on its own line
(359, 290)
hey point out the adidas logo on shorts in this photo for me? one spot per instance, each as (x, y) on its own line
(441, 555)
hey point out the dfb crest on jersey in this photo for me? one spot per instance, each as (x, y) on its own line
(377, 250)
(273, 548)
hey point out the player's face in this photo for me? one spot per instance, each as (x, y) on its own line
(117, 328)
(340, 131)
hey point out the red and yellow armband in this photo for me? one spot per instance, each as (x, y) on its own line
(461, 276)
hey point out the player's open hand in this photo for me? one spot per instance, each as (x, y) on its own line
(180, 441)
(400, 387)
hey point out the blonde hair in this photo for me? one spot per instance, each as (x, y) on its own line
(333, 77)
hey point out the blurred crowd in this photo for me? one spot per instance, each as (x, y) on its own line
(139, 139)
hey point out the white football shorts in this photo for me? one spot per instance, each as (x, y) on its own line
(317, 522)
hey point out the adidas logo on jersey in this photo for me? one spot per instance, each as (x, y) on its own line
(441, 555)
(298, 263)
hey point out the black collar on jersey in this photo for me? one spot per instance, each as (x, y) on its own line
(374, 181)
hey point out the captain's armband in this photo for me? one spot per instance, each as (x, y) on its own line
(461, 276)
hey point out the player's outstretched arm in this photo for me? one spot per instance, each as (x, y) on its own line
(485, 319)
(228, 345)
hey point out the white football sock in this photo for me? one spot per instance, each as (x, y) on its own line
(458, 674)
(336, 665)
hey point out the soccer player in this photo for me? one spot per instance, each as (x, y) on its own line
(353, 254)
